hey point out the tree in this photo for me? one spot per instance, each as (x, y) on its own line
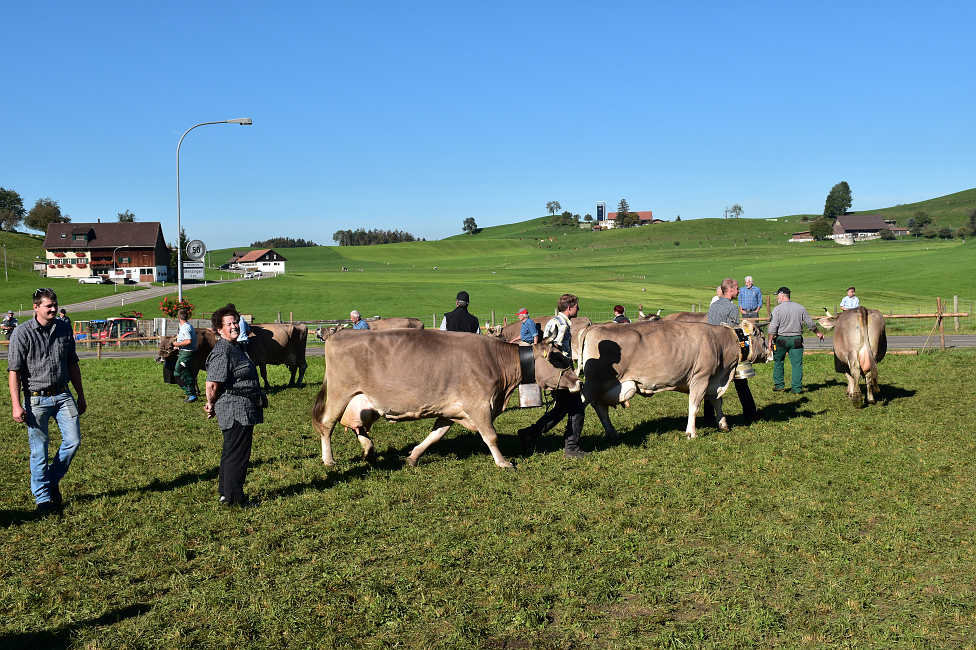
(553, 207)
(627, 220)
(945, 233)
(678, 218)
(587, 217)
(821, 229)
(964, 232)
(623, 215)
(972, 218)
(930, 232)
(44, 213)
(469, 226)
(922, 218)
(886, 234)
(736, 211)
(127, 217)
(838, 201)
(11, 209)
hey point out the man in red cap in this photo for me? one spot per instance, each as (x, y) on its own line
(530, 331)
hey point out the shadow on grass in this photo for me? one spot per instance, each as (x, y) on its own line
(62, 637)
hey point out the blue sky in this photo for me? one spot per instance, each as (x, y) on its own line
(414, 116)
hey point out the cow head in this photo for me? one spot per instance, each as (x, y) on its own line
(553, 370)
(827, 320)
(642, 316)
(493, 330)
(755, 349)
(323, 333)
(166, 349)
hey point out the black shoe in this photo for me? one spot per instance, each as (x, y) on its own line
(777, 389)
(574, 453)
(55, 491)
(798, 392)
(527, 440)
(223, 501)
(245, 504)
(758, 416)
(46, 508)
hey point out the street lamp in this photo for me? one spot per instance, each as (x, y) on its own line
(115, 289)
(179, 245)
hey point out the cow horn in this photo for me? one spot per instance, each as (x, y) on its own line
(827, 312)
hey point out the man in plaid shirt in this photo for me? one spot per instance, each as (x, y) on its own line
(750, 299)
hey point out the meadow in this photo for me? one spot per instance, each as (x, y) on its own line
(822, 525)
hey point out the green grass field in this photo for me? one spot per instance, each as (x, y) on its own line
(507, 267)
(821, 526)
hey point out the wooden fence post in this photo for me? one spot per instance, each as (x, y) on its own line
(955, 309)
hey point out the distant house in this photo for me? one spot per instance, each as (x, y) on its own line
(643, 219)
(119, 251)
(264, 260)
(898, 232)
(855, 227)
(801, 236)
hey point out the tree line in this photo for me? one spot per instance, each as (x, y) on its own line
(361, 237)
(283, 242)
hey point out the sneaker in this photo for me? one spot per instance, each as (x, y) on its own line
(574, 453)
(777, 389)
(191, 398)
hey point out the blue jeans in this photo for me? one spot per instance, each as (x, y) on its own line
(39, 412)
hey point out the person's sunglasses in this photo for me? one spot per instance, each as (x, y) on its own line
(37, 294)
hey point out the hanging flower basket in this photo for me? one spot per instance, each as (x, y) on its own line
(67, 266)
(81, 266)
(80, 254)
(52, 266)
(59, 254)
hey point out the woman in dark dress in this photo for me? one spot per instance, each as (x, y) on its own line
(235, 398)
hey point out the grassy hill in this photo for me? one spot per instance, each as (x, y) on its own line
(669, 266)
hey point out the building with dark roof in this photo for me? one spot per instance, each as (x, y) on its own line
(133, 251)
(857, 226)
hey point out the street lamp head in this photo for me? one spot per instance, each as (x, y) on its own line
(241, 120)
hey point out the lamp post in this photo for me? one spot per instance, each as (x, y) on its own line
(115, 289)
(179, 245)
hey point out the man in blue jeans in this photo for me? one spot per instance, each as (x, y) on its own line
(42, 362)
(785, 329)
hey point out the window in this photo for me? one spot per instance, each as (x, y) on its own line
(77, 237)
(125, 260)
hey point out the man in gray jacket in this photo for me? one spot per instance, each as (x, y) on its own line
(785, 330)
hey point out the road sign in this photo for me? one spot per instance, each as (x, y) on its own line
(192, 274)
(196, 250)
(192, 265)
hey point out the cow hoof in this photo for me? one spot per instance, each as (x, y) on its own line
(613, 437)
(412, 462)
(328, 464)
(370, 456)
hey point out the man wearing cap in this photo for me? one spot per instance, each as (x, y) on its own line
(785, 329)
(42, 362)
(8, 324)
(750, 299)
(460, 320)
(530, 331)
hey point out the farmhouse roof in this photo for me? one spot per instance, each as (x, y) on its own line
(258, 255)
(138, 234)
(851, 223)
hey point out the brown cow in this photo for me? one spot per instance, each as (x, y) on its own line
(376, 325)
(687, 317)
(619, 361)
(860, 343)
(642, 316)
(408, 374)
(511, 330)
(269, 343)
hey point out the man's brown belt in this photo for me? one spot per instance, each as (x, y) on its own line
(49, 392)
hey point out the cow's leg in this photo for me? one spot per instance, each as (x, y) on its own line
(369, 451)
(720, 419)
(441, 425)
(490, 436)
(301, 373)
(617, 394)
(264, 375)
(333, 411)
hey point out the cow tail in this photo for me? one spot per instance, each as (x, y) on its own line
(318, 410)
(867, 362)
